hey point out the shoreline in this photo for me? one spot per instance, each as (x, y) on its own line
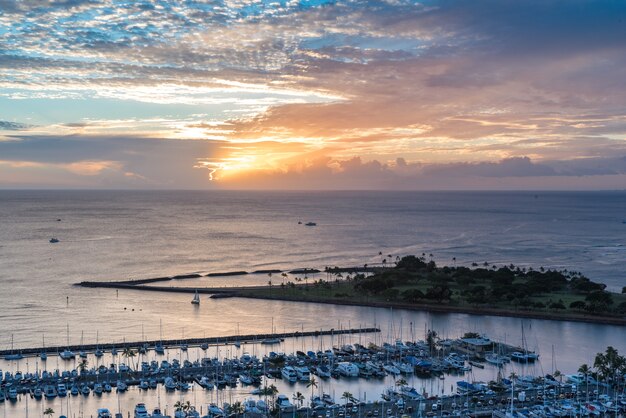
(248, 292)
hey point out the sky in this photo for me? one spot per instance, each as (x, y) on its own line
(313, 94)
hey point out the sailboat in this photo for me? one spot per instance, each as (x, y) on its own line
(98, 353)
(525, 356)
(13, 355)
(158, 347)
(271, 340)
(196, 299)
(67, 354)
(82, 353)
(43, 355)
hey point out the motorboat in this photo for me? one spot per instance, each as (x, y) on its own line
(348, 369)
(50, 392)
(391, 369)
(245, 379)
(282, 403)
(121, 386)
(156, 413)
(170, 384)
(37, 393)
(304, 374)
(322, 371)
(289, 373)
(104, 413)
(141, 411)
(67, 354)
(215, 410)
(98, 389)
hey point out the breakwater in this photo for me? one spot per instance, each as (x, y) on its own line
(250, 338)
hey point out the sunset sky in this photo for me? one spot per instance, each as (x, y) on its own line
(313, 94)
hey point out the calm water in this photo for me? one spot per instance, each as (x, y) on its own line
(113, 235)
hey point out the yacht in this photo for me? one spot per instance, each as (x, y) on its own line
(85, 390)
(104, 413)
(141, 411)
(97, 389)
(304, 374)
(74, 390)
(67, 354)
(391, 369)
(282, 403)
(121, 386)
(156, 413)
(348, 369)
(61, 390)
(495, 359)
(526, 357)
(12, 394)
(289, 374)
(196, 299)
(322, 371)
(169, 384)
(159, 349)
(245, 379)
(215, 410)
(50, 392)
(37, 393)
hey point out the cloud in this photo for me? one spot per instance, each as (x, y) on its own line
(487, 89)
(516, 173)
(109, 161)
(12, 126)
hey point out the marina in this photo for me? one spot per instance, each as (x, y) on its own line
(248, 383)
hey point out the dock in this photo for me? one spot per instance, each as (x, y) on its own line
(250, 338)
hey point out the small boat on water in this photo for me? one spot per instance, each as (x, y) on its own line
(196, 299)
(53, 240)
(310, 224)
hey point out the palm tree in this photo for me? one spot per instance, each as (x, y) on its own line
(347, 396)
(431, 340)
(585, 370)
(401, 382)
(312, 383)
(513, 376)
(298, 398)
(558, 375)
(49, 412)
(129, 353)
(237, 408)
(82, 366)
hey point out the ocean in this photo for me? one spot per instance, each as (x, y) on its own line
(108, 235)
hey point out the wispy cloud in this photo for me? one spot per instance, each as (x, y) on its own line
(470, 87)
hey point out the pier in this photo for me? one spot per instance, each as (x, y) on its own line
(250, 338)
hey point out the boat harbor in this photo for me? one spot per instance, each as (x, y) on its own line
(235, 385)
